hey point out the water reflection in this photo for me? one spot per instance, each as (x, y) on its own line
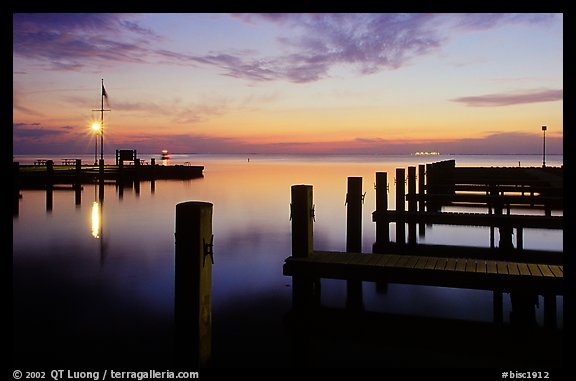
(96, 218)
(251, 220)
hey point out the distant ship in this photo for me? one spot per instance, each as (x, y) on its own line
(427, 153)
(165, 155)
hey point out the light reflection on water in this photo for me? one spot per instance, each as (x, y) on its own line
(129, 268)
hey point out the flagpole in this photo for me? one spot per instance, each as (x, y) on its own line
(102, 124)
(102, 121)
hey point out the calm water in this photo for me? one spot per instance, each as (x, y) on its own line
(101, 274)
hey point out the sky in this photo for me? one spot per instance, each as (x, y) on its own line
(289, 83)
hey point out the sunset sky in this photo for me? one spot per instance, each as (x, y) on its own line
(289, 83)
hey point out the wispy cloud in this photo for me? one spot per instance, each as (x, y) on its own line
(313, 43)
(36, 131)
(70, 41)
(508, 99)
(369, 42)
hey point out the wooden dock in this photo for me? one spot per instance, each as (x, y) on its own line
(32, 176)
(471, 273)
(524, 274)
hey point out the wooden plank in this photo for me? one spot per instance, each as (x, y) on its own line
(412, 261)
(471, 266)
(545, 270)
(402, 261)
(502, 268)
(421, 263)
(461, 264)
(513, 268)
(481, 266)
(491, 267)
(374, 258)
(362, 259)
(390, 260)
(534, 270)
(450, 264)
(431, 263)
(523, 268)
(440, 264)
(556, 271)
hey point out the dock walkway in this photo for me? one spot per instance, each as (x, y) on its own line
(481, 274)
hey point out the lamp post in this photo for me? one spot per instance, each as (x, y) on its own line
(96, 129)
(544, 128)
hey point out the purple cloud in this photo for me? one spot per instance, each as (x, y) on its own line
(68, 41)
(508, 99)
(369, 42)
(315, 43)
(34, 131)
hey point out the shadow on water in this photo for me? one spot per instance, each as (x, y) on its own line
(58, 320)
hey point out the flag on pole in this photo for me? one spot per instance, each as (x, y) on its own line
(105, 96)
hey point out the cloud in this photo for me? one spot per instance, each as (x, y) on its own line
(70, 41)
(368, 42)
(508, 99)
(32, 131)
(313, 43)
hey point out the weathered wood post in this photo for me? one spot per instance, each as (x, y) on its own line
(152, 175)
(400, 206)
(354, 199)
(382, 222)
(78, 183)
(422, 194)
(354, 215)
(305, 290)
(49, 185)
(421, 187)
(193, 283)
(412, 204)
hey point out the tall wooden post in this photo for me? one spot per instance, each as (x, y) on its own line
(382, 222)
(354, 237)
(412, 204)
(305, 290)
(78, 183)
(422, 194)
(354, 215)
(49, 185)
(400, 206)
(193, 283)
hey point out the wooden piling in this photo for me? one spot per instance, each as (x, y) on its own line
(400, 205)
(354, 215)
(422, 194)
(193, 283)
(421, 186)
(412, 204)
(305, 290)
(382, 223)
(77, 183)
(354, 201)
